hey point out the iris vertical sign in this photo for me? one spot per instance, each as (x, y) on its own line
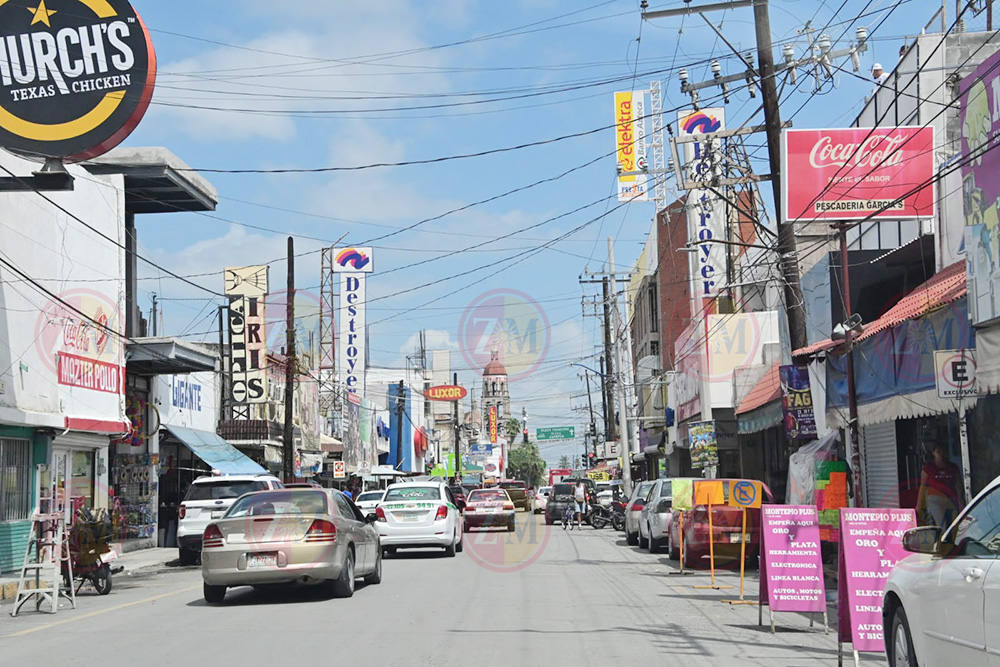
(246, 288)
(353, 265)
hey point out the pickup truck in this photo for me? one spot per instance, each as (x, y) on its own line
(518, 492)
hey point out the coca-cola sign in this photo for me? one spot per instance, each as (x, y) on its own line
(858, 173)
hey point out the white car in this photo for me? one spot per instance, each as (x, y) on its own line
(942, 605)
(419, 514)
(655, 516)
(633, 508)
(207, 499)
(542, 498)
(367, 501)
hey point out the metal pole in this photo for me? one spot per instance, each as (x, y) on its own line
(609, 416)
(458, 450)
(852, 397)
(223, 376)
(590, 405)
(626, 450)
(786, 233)
(400, 409)
(289, 445)
(963, 437)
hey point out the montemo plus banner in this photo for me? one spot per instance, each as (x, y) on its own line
(353, 265)
(76, 76)
(858, 173)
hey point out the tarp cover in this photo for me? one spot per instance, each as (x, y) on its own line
(216, 452)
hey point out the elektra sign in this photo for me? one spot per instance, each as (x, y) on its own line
(76, 76)
(353, 265)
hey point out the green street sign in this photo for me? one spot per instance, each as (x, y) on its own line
(555, 433)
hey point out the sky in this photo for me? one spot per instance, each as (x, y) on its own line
(316, 84)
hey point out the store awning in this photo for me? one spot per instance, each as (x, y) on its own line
(761, 408)
(330, 444)
(215, 451)
(167, 356)
(946, 286)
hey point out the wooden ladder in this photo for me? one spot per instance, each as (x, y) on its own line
(41, 573)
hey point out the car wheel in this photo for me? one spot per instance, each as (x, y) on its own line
(691, 559)
(549, 520)
(631, 539)
(213, 594)
(376, 576)
(654, 544)
(901, 645)
(510, 527)
(460, 547)
(672, 551)
(450, 551)
(343, 586)
(189, 556)
(643, 542)
(465, 527)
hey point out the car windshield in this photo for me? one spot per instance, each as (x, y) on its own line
(562, 490)
(545, 489)
(370, 495)
(413, 493)
(487, 494)
(642, 490)
(280, 503)
(223, 489)
(513, 485)
(665, 490)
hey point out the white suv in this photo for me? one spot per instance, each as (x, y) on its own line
(208, 498)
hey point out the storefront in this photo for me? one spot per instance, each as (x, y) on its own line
(78, 473)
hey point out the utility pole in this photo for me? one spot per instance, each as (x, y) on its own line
(592, 431)
(623, 431)
(787, 253)
(854, 451)
(288, 436)
(400, 410)
(223, 370)
(609, 416)
(458, 448)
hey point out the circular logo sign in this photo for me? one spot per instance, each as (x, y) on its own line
(508, 551)
(510, 323)
(76, 76)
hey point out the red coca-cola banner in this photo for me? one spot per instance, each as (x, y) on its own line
(857, 173)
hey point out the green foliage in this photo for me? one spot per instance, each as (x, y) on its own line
(564, 462)
(526, 464)
(513, 429)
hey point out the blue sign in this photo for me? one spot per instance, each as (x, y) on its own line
(481, 449)
(186, 394)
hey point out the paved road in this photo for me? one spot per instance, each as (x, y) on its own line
(540, 596)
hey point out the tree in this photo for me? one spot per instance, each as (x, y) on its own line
(564, 462)
(526, 464)
(513, 429)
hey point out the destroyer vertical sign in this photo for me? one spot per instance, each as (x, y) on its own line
(76, 76)
(246, 288)
(353, 265)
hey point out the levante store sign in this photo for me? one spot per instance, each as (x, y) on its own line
(76, 76)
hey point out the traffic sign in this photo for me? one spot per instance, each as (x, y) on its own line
(555, 433)
(956, 373)
(339, 470)
(746, 493)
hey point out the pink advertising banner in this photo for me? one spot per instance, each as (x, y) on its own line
(870, 546)
(857, 173)
(791, 566)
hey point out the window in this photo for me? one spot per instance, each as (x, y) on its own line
(665, 490)
(404, 493)
(222, 489)
(371, 495)
(15, 479)
(654, 310)
(282, 503)
(978, 533)
(343, 505)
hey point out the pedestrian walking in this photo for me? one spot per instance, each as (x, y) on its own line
(580, 503)
(939, 484)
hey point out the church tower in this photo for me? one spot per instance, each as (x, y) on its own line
(495, 391)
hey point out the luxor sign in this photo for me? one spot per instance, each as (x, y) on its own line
(446, 392)
(857, 173)
(76, 76)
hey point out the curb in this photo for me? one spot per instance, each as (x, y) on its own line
(8, 591)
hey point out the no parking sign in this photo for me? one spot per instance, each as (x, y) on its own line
(746, 494)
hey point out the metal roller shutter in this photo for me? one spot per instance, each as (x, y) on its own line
(878, 444)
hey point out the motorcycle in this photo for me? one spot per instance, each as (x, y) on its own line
(90, 552)
(599, 516)
(618, 516)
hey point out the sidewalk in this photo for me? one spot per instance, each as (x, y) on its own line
(131, 561)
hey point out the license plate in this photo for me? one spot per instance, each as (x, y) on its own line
(409, 518)
(262, 560)
(217, 514)
(735, 538)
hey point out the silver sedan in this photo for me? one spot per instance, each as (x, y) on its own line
(633, 508)
(284, 536)
(654, 520)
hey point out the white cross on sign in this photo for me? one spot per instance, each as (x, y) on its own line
(955, 373)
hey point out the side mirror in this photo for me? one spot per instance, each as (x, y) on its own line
(371, 518)
(663, 506)
(460, 504)
(923, 540)
(638, 504)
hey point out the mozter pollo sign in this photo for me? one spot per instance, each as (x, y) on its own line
(76, 76)
(858, 173)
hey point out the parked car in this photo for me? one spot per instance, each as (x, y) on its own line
(367, 501)
(461, 495)
(518, 492)
(727, 528)
(541, 498)
(302, 485)
(606, 492)
(419, 514)
(290, 535)
(489, 508)
(654, 518)
(633, 508)
(560, 498)
(207, 499)
(941, 604)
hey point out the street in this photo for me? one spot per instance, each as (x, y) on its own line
(587, 599)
